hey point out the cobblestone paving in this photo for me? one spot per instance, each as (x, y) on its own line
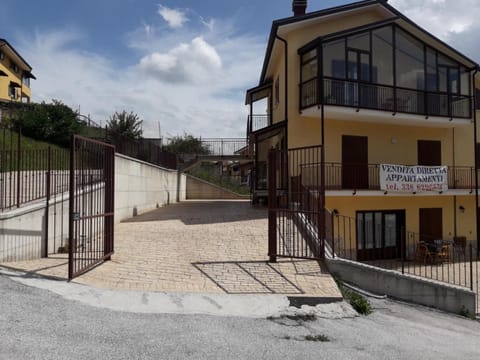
(201, 246)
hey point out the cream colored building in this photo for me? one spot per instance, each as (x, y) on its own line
(372, 87)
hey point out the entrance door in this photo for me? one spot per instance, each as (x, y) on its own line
(429, 152)
(431, 226)
(354, 162)
(380, 234)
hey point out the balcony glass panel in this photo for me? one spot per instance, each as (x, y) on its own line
(464, 81)
(432, 77)
(334, 59)
(443, 60)
(382, 56)
(410, 61)
(359, 42)
(309, 55)
(358, 71)
(442, 78)
(310, 70)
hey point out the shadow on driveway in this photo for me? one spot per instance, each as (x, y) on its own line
(204, 212)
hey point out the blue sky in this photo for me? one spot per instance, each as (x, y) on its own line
(184, 64)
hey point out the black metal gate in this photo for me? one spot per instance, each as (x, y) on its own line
(91, 205)
(296, 202)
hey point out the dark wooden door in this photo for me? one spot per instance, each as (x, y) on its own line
(431, 224)
(354, 162)
(429, 152)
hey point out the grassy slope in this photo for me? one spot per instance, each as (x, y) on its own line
(9, 141)
(34, 154)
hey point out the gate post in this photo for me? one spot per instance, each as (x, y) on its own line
(47, 201)
(272, 205)
(71, 207)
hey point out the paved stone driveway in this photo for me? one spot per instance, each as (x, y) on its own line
(201, 246)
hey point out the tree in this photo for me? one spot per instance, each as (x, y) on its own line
(54, 123)
(187, 144)
(123, 126)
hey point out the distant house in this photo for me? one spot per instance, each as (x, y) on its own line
(377, 93)
(15, 75)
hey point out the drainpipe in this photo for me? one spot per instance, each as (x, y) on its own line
(322, 165)
(286, 76)
(475, 137)
(286, 103)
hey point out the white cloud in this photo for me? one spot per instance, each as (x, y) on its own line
(191, 81)
(194, 62)
(452, 21)
(210, 24)
(174, 17)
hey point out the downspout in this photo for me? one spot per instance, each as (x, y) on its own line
(455, 182)
(323, 210)
(475, 137)
(286, 107)
(286, 76)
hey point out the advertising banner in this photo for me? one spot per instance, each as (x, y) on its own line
(411, 179)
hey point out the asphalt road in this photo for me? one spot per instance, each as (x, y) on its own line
(39, 324)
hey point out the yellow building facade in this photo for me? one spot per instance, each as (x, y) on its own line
(15, 75)
(372, 88)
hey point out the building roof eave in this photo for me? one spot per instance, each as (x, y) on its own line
(348, 7)
(4, 42)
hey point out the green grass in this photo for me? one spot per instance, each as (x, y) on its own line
(358, 302)
(225, 182)
(93, 132)
(33, 154)
(9, 141)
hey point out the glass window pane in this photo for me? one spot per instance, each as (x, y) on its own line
(443, 60)
(431, 70)
(309, 55)
(464, 82)
(410, 62)
(309, 70)
(360, 42)
(365, 67)
(382, 56)
(334, 59)
(390, 230)
(378, 230)
(352, 65)
(454, 81)
(360, 231)
(369, 230)
(442, 78)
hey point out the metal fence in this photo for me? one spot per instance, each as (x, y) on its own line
(27, 175)
(452, 261)
(360, 94)
(224, 146)
(295, 204)
(148, 150)
(91, 204)
(345, 176)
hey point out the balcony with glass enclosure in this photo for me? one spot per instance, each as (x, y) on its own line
(384, 70)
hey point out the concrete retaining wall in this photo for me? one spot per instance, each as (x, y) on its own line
(139, 187)
(404, 287)
(198, 189)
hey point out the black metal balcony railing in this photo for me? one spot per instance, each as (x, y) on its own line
(340, 176)
(257, 122)
(386, 98)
